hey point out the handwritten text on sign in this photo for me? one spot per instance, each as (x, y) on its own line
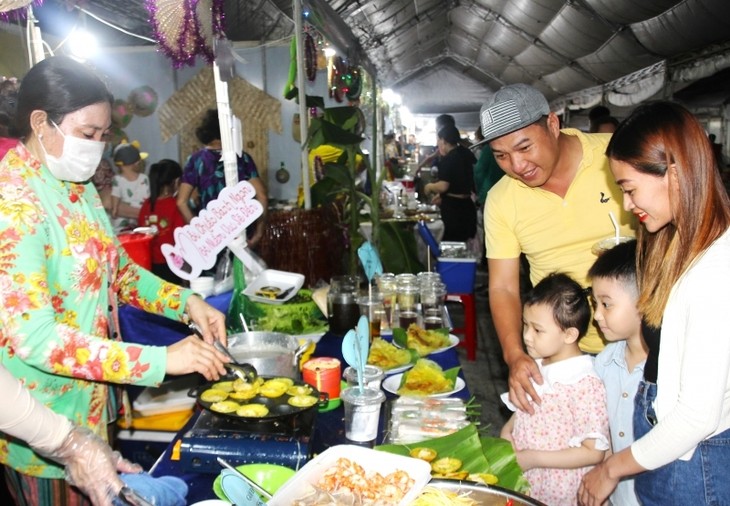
(197, 244)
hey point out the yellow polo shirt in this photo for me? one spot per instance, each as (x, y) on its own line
(556, 234)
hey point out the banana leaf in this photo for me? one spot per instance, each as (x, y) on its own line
(503, 462)
(398, 249)
(463, 445)
(478, 455)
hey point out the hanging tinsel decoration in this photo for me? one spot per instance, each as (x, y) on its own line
(8, 6)
(143, 100)
(310, 57)
(186, 29)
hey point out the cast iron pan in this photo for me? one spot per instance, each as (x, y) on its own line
(279, 408)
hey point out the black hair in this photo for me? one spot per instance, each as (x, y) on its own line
(162, 174)
(444, 120)
(604, 120)
(598, 111)
(59, 86)
(567, 299)
(617, 263)
(450, 134)
(210, 129)
(8, 105)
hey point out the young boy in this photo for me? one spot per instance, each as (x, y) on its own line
(131, 186)
(621, 364)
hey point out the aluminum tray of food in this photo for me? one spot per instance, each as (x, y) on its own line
(477, 494)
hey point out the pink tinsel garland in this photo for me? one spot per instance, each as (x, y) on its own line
(182, 47)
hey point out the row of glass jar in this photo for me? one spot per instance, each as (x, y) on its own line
(393, 301)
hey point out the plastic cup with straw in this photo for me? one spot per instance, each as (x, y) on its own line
(610, 242)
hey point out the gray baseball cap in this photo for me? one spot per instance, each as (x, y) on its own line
(513, 107)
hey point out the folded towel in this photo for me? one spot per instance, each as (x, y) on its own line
(162, 491)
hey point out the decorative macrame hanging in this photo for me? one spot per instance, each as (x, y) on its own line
(185, 29)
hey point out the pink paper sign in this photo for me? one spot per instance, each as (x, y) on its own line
(197, 244)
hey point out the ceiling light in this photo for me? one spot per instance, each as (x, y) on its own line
(82, 45)
(329, 52)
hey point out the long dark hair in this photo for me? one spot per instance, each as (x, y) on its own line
(162, 175)
(59, 86)
(652, 139)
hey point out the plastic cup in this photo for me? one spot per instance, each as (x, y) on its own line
(372, 307)
(372, 377)
(608, 243)
(362, 413)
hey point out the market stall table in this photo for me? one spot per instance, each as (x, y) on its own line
(328, 426)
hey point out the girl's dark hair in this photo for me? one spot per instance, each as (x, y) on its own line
(209, 130)
(59, 86)
(567, 299)
(162, 174)
(663, 139)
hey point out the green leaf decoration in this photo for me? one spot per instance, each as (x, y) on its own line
(503, 462)
(478, 455)
(398, 250)
(463, 445)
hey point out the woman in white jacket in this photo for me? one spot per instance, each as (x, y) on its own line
(90, 463)
(663, 161)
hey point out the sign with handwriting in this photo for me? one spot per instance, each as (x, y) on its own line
(197, 244)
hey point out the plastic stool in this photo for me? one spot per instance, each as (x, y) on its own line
(469, 330)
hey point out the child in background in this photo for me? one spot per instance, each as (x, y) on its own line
(621, 364)
(161, 211)
(131, 186)
(568, 434)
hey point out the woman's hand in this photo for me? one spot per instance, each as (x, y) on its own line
(193, 355)
(596, 486)
(210, 321)
(92, 466)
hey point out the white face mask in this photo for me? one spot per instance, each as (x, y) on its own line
(79, 159)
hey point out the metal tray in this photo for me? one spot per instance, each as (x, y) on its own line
(486, 495)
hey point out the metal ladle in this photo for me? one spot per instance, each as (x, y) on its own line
(246, 372)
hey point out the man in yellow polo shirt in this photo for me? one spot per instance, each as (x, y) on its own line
(554, 206)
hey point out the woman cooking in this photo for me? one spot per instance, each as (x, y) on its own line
(455, 187)
(62, 274)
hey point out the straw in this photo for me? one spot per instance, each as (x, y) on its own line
(615, 225)
(243, 322)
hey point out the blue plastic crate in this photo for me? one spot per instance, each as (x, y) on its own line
(458, 274)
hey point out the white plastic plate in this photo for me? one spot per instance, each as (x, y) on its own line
(279, 279)
(392, 384)
(370, 460)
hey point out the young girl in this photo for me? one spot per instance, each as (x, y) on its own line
(160, 211)
(568, 433)
(663, 161)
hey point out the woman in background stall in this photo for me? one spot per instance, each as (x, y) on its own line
(205, 173)
(63, 273)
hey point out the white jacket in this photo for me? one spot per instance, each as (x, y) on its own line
(693, 384)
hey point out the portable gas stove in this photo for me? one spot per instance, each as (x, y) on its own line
(286, 443)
